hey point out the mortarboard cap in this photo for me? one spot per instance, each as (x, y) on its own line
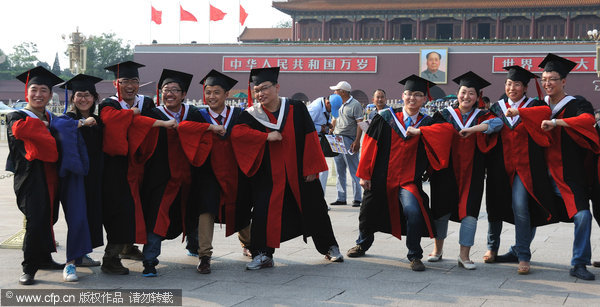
(553, 62)
(216, 78)
(39, 75)
(471, 79)
(81, 83)
(260, 75)
(416, 83)
(168, 76)
(127, 69)
(518, 73)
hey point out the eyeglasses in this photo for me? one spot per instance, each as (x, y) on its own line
(414, 95)
(262, 89)
(171, 90)
(83, 96)
(551, 80)
(129, 81)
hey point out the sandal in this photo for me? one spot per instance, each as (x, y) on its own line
(490, 256)
(523, 268)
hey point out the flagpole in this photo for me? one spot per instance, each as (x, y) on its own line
(179, 25)
(150, 22)
(239, 9)
(209, 22)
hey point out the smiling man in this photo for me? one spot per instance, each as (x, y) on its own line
(277, 147)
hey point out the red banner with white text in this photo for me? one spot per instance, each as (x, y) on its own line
(300, 64)
(585, 63)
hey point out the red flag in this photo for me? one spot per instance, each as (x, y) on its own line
(216, 14)
(243, 15)
(185, 15)
(156, 16)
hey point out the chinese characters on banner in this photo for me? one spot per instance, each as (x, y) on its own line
(326, 64)
(585, 64)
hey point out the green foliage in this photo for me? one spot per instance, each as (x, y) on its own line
(105, 50)
(23, 57)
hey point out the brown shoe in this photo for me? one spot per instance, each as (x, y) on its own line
(132, 252)
(417, 265)
(204, 265)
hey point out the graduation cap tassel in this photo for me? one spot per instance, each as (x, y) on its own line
(26, 86)
(66, 100)
(429, 94)
(118, 85)
(249, 96)
(480, 104)
(157, 96)
(538, 89)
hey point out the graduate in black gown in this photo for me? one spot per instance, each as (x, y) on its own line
(80, 173)
(32, 158)
(127, 124)
(277, 147)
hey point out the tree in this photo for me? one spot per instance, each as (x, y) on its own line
(284, 23)
(4, 66)
(56, 66)
(105, 50)
(24, 57)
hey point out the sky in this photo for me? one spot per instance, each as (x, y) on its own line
(45, 22)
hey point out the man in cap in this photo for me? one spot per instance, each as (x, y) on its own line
(32, 158)
(277, 147)
(166, 184)
(321, 111)
(346, 126)
(395, 155)
(126, 153)
(517, 174)
(217, 182)
(573, 137)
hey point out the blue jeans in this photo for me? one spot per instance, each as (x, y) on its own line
(151, 249)
(365, 240)
(351, 162)
(468, 226)
(582, 247)
(323, 178)
(524, 232)
(493, 237)
(414, 224)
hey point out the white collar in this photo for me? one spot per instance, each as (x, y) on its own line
(214, 114)
(185, 107)
(412, 118)
(459, 120)
(559, 105)
(349, 99)
(512, 103)
(259, 114)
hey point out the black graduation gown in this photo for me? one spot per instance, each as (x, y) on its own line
(121, 215)
(520, 150)
(218, 185)
(458, 189)
(393, 161)
(32, 159)
(93, 181)
(284, 205)
(166, 185)
(568, 151)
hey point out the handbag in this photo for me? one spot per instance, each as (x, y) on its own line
(326, 148)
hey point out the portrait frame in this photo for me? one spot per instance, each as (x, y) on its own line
(442, 68)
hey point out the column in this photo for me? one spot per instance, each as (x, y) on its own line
(323, 29)
(294, 34)
(354, 30)
(419, 28)
(568, 26)
(498, 32)
(532, 26)
(386, 29)
(463, 28)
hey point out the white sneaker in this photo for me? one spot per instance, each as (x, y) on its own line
(259, 262)
(70, 273)
(334, 254)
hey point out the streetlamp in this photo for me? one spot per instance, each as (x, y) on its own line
(595, 36)
(77, 52)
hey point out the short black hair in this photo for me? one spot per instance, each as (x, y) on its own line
(427, 55)
(379, 90)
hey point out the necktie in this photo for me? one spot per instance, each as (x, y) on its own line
(176, 116)
(220, 119)
(408, 122)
